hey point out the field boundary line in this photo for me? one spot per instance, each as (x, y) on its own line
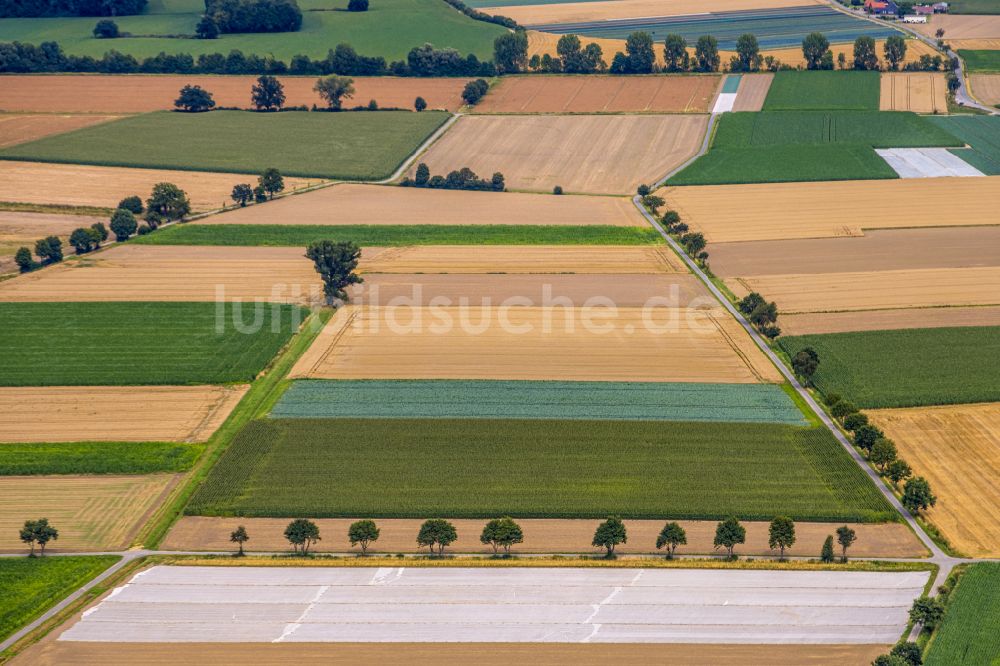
(420, 150)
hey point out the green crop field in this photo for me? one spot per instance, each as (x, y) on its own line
(981, 61)
(350, 145)
(970, 632)
(824, 90)
(647, 401)
(536, 468)
(906, 368)
(789, 146)
(403, 234)
(974, 7)
(97, 458)
(982, 133)
(390, 28)
(81, 344)
(33, 585)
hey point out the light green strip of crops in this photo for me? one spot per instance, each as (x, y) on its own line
(641, 401)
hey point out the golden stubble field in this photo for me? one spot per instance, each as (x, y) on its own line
(774, 211)
(20, 128)
(957, 448)
(94, 413)
(139, 93)
(92, 513)
(986, 87)
(78, 185)
(23, 229)
(883, 320)
(601, 94)
(752, 92)
(961, 26)
(380, 204)
(630, 344)
(921, 92)
(602, 154)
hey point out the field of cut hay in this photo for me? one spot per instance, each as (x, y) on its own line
(21, 128)
(958, 450)
(876, 290)
(90, 512)
(606, 154)
(23, 229)
(823, 210)
(986, 87)
(535, 343)
(752, 92)
(141, 94)
(600, 94)
(885, 320)
(959, 27)
(601, 10)
(541, 535)
(154, 273)
(922, 92)
(351, 204)
(95, 414)
(75, 185)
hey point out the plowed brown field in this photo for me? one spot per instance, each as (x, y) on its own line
(94, 413)
(600, 94)
(752, 92)
(535, 343)
(596, 154)
(577, 12)
(136, 93)
(876, 290)
(75, 185)
(17, 128)
(91, 512)
(434, 654)
(23, 229)
(957, 448)
(961, 26)
(885, 249)
(921, 92)
(540, 536)
(823, 210)
(986, 87)
(375, 204)
(885, 320)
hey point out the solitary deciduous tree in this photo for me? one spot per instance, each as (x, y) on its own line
(24, 260)
(672, 535)
(814, 48)
(845, 537)
(168, 201)
(895, 51)
(239, 536)
(242, 193)
(728, 534)
(609, 534)
(748, 53)
(267, 94)
(883, 452)
(675, 55)
(501, 533)
(437, 532)
(898, 471)
(706, 54)
(302, 534)
(335, 263)
(38, 532)
(865, 57)
(106, 29)
(363, 533)
(805, 363)
(334, 90)
(194, 99)
(419, 104)
(781, 535)
(272, 182)
(917, 495)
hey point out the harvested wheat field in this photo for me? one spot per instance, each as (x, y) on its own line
(961, 26)
(885, 249)
(921, 92)
(957, 448)
(601, 94)
(76, 185)
(92, 513)
(54, 652)
(540, 536)
(23, 229)
(886, 320)
(986, 87)
(876, 290)
(752, 92)
(595, 154)
(378, 204)
(17, 128)
(136, 93)
(166, 273)
(975, 44)
(535, 343)
(535, 259)
(580, 12)
(624, 290)
(774, 211)
(94, 413)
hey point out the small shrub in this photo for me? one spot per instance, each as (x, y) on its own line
(419, 104)
(357, 5)
(557, 189)
(144, 229)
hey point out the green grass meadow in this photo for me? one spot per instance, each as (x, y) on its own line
(823, 90)
(97, 458)
(906, 368)
(81, 344)
(376, 235)
(974, 7)
(390, 28)
(536, 468)
(33, 585)
(359, 145)
(970, 632)
(979, 61)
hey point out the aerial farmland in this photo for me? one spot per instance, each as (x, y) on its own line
(444, 331)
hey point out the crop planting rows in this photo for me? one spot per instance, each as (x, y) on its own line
(968, 634)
